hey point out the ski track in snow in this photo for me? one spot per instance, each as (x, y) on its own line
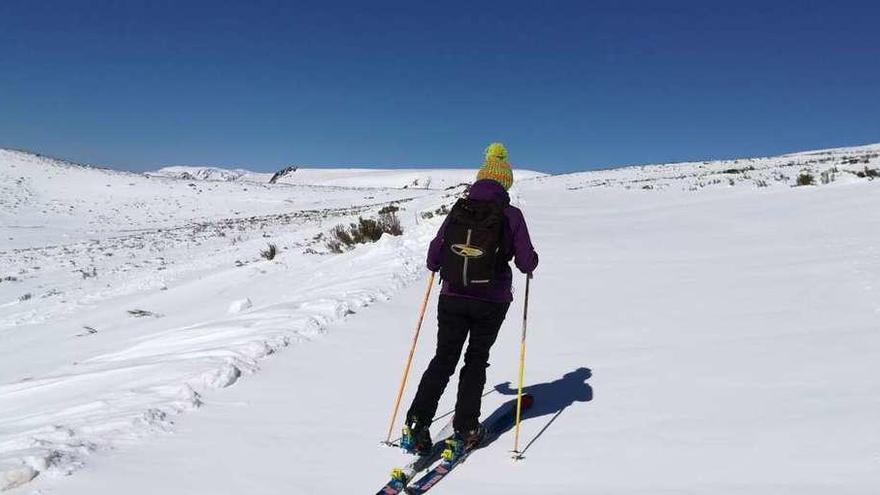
(82, 374)
(84, 247)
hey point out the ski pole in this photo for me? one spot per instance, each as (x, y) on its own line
(522, 364)
(412, 351)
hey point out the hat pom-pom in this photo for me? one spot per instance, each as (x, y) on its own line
(496, 151)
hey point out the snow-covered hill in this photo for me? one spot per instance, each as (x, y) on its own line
(49, 200)
(823, 166)
(340, 177)
(731, 329)
(201, 173)
(108, 279)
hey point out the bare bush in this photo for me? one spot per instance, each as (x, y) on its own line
(366, 230)
(806, 179)
(389, 209)
(871, 173)
(89, 273)
(270, 252)
(142, 313)
(390, 224)
(88, 331)
(828, 176)
(443, 210)
(738, 170)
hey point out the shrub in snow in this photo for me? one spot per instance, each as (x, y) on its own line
(141, 313)
(89, 273)
(738, 170)
(365, 230)
(270, 252)
(389, 209)
(25, 297)
(88, 331)
(871, 173)
(828, 176)
(806, 179)
(390, 224)
(860, 159)
(443, 210)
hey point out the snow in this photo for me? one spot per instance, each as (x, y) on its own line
(340, 177)
(729, 321)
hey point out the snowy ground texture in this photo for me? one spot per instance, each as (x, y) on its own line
(730, 320)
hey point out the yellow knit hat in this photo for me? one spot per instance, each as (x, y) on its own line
(495, 166)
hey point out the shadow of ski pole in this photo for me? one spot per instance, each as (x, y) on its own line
(536, 437)
(552, 398)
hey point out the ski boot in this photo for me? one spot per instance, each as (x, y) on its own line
(399, 479)
(416, 438)
(461, 444)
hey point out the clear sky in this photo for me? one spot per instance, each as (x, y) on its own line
(566, 85)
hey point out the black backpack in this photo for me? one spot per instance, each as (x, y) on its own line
(471, 242)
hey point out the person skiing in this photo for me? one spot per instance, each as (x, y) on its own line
(472, 251)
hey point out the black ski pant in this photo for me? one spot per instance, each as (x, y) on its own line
(459, 319)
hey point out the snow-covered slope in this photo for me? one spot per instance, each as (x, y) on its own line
(824, 166)
(341, 177)
(45, 201)
(731, 330)
(201, 173)
(123, 296)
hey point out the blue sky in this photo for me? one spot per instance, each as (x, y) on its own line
(566, 85)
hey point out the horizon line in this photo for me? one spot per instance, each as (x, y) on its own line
(429, 166)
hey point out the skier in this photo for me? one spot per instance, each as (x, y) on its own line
(472, 251)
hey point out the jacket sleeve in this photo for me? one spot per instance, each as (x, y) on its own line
(524, 255)
(435, 249)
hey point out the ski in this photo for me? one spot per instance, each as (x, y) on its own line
(401, 476)
(495, 425)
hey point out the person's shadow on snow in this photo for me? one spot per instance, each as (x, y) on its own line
(550, 398)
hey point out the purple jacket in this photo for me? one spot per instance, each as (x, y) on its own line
(515, 244)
